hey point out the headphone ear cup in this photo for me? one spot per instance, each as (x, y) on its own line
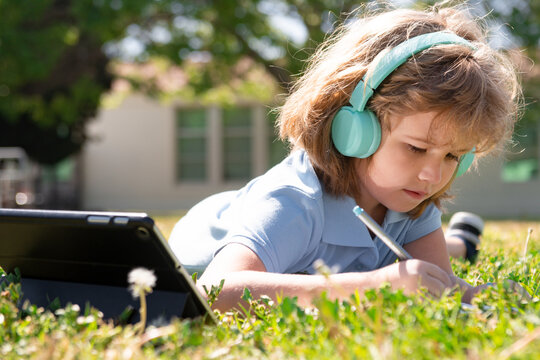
(464, 163)
(356, 133)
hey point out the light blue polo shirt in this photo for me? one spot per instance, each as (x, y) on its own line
(289, 221)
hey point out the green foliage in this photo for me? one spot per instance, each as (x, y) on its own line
(52, 75)
(55, 57)
(214, 291)
(382, 324)
(521, 18)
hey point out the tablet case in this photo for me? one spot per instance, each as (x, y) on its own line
(84, 258)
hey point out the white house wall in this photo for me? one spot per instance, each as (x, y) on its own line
(485, 193)
(131, 166)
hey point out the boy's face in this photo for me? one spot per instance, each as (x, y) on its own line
(413, 162)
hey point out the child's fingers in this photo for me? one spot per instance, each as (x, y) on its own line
(441, 275)
(517, 288)
(427, 275)
(427, 269)
(433, 286)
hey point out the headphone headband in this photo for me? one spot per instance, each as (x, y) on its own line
(386, 62)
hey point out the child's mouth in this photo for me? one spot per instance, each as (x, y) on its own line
(417, 195)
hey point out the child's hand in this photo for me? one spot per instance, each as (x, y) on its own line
(511, 285)
(412, 275)
(508, 284)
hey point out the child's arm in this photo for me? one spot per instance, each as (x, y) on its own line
(432, 248)
(241, 268)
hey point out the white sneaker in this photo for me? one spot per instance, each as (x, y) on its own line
(468, 227)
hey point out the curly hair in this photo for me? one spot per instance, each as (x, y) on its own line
(475, 92)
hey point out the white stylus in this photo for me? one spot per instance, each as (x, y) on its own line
(377, 230)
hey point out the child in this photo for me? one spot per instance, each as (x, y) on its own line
(434, 102)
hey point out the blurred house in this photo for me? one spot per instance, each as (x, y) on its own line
(155, 155)
(160, 156)
(150, 156)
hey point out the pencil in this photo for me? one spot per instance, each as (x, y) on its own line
(401, 253)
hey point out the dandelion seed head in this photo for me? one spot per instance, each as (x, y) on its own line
(142, 276)
(141, 279)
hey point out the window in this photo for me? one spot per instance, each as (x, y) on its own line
(522, 163)
(237, 124)
(191, 159)
(220, 145)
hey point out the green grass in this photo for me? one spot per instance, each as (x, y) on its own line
(382, 325)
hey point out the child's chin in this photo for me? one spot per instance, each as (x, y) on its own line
(402, 208)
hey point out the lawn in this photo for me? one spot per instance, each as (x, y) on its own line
(382, 325)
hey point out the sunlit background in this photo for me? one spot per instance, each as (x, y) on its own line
(152, 105)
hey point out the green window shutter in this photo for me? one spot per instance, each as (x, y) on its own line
(237, 145)
(191, 145)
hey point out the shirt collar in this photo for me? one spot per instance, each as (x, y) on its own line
(394, 216)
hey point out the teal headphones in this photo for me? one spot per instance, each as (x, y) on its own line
(356, 131)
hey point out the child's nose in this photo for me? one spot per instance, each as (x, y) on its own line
(431, 171)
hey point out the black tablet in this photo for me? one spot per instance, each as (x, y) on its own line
(84, 258)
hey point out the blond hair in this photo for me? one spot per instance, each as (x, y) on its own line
(475, 92)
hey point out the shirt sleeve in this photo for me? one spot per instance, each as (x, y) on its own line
(429, 221)
(280, 227)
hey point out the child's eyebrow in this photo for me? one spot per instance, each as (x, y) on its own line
(420, 139)
(431, 143)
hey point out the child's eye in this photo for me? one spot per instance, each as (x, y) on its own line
(451, 156)
(415, 149)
